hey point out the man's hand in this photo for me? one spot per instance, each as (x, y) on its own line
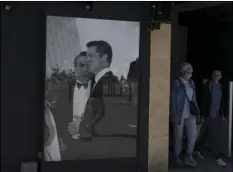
(73, 128)
(53, 104)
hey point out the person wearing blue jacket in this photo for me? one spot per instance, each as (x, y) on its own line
(182, 93)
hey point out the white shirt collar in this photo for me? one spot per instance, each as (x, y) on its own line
(81, 82)
(101, 74)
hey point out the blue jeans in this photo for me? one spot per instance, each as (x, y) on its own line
(191, 131)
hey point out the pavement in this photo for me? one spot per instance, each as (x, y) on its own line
(206, 165)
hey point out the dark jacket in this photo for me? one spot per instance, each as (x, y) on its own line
(178, 97)
(133, 73)
(205, 103)
(97, 92)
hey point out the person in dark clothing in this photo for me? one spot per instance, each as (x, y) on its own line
(100, 56)
(211, 113)
(97, 103)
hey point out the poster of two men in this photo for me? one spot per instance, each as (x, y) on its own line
(88, 61)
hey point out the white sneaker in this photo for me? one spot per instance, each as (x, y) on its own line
(199, 155)
(221, 163)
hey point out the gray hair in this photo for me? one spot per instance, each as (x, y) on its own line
(185, 66)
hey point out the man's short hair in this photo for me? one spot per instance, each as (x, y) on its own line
(83, 53)
(102, 47)
(216, 70)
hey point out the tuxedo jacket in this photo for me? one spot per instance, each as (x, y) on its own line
(97, 88)
(97, 91)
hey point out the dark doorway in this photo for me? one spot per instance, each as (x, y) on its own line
(209, 41)
(209, 46)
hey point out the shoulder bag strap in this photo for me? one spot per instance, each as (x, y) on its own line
(185, 90)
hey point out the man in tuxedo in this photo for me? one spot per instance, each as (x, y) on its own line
(99, 54)
(81, 93)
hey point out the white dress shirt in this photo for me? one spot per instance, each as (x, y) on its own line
(80, 98)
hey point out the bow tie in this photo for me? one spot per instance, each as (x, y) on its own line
(79, 85)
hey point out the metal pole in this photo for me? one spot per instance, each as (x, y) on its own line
(230, 109)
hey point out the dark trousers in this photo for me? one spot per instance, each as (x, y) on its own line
(209, 133)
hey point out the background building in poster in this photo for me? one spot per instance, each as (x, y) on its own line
(91, 88)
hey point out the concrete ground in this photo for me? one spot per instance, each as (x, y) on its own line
(206, 165)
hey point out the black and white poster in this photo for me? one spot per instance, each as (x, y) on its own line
(91, 106)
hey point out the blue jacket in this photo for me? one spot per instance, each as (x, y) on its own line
(178, 96)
